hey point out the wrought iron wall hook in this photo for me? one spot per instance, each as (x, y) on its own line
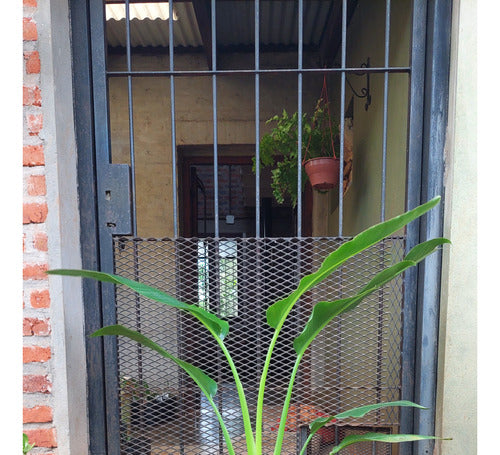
(365, 91)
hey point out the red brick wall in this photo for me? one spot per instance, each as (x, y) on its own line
(37, 353)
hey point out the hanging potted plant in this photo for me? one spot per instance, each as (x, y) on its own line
(321, 163)
(279, 150)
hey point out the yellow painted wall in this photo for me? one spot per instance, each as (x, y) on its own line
(362, 202)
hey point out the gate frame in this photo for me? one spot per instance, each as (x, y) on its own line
(428, 109)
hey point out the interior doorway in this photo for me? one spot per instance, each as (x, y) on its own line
(237, 206)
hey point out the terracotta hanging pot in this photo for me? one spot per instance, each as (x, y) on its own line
(323, 172)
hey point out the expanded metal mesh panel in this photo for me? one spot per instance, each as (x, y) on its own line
(354, 361)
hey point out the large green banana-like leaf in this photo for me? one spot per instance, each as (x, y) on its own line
(277, 313)
(324, 312)
(204, 382)
(212, 322)
(378, 437)
(360, 411)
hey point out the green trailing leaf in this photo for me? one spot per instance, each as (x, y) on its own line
(276, 313)
(213, 323)
(204, 382)
(324, 312)
(379, 437)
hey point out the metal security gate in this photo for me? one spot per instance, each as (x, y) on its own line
(169, 197)
(356, 360)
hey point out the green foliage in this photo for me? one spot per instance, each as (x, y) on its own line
(378, 437)
(279, 148)
(214, 324)
(321, 315)
(26, 445)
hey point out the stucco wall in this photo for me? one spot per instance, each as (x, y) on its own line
(457, 384)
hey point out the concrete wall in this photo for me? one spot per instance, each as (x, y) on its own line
(193, 100)
(457, 381)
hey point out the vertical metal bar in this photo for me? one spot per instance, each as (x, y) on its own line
(380, 329)
(380, 320)
(299, 132)
(215, 254)
(342, 119)
(259, 246)
(138, 316)
(131, 119)
(413, 188)
(89, 228)
(435, 124)
(257, 117)
(337, 357)
(103, 160)
(386, 94)
(179, 328)
(214, 116)
(172, 114)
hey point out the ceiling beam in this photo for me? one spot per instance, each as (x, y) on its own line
(332, 35)
(203, 17)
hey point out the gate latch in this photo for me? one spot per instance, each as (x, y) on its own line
(116, 203)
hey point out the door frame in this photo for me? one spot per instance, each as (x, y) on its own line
(198, 154)
(430, 61)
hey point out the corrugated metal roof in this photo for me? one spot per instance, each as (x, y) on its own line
(138, 11)
(278, 22)
(149, 23)
(150, 26)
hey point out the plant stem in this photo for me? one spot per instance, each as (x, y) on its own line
(251, 448)
(286, 405)
(263, 377)
(308, 440)
(262, 386)
(223, 426)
